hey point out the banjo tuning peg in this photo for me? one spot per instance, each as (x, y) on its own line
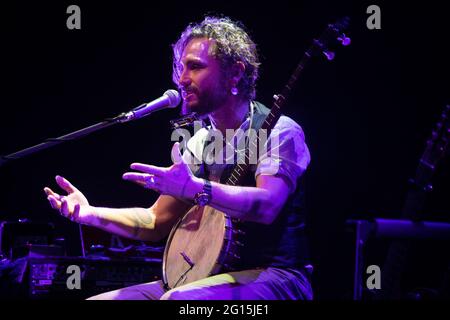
(345, 41)
(329, 54)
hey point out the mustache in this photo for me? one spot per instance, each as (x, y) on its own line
(187, 90)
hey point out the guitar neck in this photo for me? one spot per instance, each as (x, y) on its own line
(397, 255)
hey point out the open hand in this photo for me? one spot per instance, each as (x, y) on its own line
(177, 180)
(73, 205)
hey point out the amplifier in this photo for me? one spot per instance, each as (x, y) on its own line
(16, 235)
(56, 277)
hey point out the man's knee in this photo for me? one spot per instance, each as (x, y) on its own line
(172, 295)
(176, 294)
(111, 295)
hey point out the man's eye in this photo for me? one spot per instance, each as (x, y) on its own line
(196, 66)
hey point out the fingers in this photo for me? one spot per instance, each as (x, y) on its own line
(65, 184)
(140, 178)
(59, 202)
(54, 203)
(64, 208)
(76, 212)
(153, 170)
(143, 179)
(49, 192)
(176, 154)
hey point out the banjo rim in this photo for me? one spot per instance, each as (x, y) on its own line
(220, 260)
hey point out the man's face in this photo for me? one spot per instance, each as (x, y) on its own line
(202, 83)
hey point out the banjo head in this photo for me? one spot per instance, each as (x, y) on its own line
(195, 246)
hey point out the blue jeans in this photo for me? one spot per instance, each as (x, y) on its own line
(255, 284)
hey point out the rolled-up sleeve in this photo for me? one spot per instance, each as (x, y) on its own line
(285, 154)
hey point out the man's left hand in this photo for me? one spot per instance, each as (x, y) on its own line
(177, 180)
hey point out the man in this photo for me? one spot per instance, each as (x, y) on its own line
(216, 67)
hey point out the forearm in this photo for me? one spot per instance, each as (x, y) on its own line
(134, 223)
(245, 203)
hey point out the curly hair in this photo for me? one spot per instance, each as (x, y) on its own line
(233, 44)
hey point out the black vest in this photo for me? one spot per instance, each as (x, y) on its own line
(282, 243)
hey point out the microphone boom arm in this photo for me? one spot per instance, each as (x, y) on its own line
(50, 142)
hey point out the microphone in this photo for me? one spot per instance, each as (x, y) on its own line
(170, 99)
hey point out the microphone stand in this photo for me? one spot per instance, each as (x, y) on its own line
(50, 142)
(121, 118)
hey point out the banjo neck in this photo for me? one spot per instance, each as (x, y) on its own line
(318, 47)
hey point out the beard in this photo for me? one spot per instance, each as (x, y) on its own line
(207, 100)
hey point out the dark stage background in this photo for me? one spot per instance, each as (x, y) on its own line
(366, 115)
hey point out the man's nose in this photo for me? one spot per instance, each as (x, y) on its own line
(185, 79)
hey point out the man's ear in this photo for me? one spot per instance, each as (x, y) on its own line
(237, 71)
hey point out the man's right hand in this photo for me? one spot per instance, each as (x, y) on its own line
(73, 206)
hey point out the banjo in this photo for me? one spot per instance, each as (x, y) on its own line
(206, 241)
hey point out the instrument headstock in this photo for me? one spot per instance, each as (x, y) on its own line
(334, 33)
(437, 144)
